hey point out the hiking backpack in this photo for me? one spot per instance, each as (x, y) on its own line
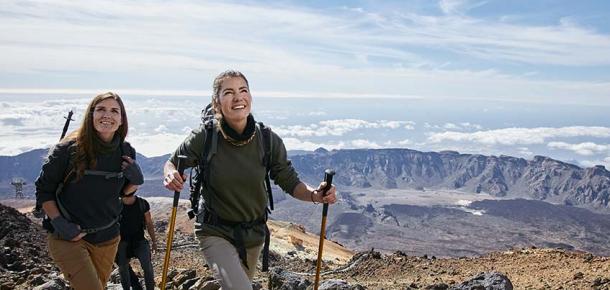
(199, 176)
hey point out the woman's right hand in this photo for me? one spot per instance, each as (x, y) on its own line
(173, 181)
(67, 230)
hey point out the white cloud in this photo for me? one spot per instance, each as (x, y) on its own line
(590, 163)
(363, 143)
(519, 136)
(586, 148)
(296, 144)
(339, 127)
(139, 42)
(524, 151)
(404, 142)
(161, 129)
(452, 6)
(156, 144)
(462, 126)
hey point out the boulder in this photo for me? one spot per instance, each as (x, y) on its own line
(279, 279)
(487, 281)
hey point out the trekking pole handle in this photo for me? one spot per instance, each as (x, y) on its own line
(66, 124)
(328, 178)
(180, 169)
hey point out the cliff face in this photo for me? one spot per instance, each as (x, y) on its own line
(541, 178)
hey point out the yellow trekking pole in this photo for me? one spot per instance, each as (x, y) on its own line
(328, 178)
(172, 222)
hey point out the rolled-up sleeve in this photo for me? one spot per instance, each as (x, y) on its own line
(52, 173)
(282, 172)
(191, 147)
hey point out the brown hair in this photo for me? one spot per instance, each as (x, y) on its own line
(216, 88)
(86, 136)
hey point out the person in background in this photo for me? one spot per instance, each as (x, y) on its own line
(231, 227)
(79, 187)
(134, 218)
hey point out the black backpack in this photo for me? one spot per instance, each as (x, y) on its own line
(199, 177)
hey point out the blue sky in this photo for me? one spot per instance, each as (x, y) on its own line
(493, 77)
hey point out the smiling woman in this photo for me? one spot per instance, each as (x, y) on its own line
(79, 188)
(231, 223)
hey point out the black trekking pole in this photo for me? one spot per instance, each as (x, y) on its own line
(328, 178)
(66, 125)
(172, 222)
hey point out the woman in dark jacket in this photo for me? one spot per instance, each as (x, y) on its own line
(231, 225)
(79, 187)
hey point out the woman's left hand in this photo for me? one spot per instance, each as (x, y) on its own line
(132, 171)
(329, 196)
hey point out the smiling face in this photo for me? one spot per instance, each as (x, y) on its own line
(235, 102)
(107, 118)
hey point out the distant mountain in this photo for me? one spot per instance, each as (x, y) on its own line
(541, 178)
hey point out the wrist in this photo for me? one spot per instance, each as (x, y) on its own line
(311, 196)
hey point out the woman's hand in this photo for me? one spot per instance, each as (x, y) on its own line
(67, 230)
(132, 171)
(320, 196)
(173, 181)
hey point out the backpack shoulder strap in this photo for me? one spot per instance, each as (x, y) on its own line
(265, 134)
(210, 145)
(70, 172)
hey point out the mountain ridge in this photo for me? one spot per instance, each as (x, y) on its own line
(541, 178)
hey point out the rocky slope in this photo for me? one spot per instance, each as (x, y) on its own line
(293, 253)
(24, 258)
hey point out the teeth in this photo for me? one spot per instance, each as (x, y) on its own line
(239, 107)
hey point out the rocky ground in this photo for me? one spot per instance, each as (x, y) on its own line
(25, 264)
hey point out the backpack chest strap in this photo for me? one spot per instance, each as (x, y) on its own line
(105, 174)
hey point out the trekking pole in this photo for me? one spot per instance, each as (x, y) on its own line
(328, 178)
(172, 222)
(66, 125)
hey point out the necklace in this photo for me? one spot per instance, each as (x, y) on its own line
(236, 142)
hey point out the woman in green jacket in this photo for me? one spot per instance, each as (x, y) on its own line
(231, 226)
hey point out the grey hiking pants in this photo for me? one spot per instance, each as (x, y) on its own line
(223, 259)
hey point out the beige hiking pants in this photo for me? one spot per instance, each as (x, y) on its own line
(87, 266)
(223, 259)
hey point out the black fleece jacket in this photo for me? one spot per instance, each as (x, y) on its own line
(93, 201)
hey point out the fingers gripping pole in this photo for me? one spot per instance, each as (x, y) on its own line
(172, 222)
(328, 178)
